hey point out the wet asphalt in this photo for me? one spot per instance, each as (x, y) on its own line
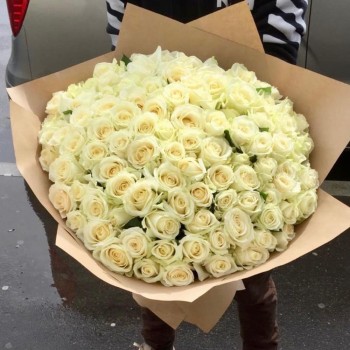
(48, 301)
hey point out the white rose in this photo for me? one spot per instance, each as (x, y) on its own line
(107, 168)
(265, 239)
(289, 167)
(117, 186)
(250, 202)
(118, 217)
(145, 123)
(59, 103)
(225, 200)
(220, 265)
(78, 190)
(115, 257)
(245, 178)
(97, 232)
(94, 204)
(241, 96)
(271, 195)
(191, 139)
(307, 203)
(76, 221)
(161, 224)
(262, 120)
(271, 217)
(169, 177)
(173, 151)
(286, 185)
(73, 142)
(201, 194)
(240, 71)
(238, 227)
(261, 144)
(192, 168)
(250, 256)
(47, 155)
(92, 153)
(195, 248)
(283, 237)
(61, 198)
(242, 131)
(215, 83)
(203, 222)
(181, 205)
(153, 85)
(215, 123)
(286, 124)
(143, 65)
(135, 242)
(118, 142)
(290, 212)
(107, 68)
(219, 177)
(81, 116)
(165, 130)
(308, 178)
(148, 270)
(140, 197)
(218, 240)
(301, 121)
(265, 167)
(175, 70)
(100, 128)
(123, 114)
(187, 116)
(156, 105)
(215, 150)
(133, 93)
(282, 145)
(177, 274)
(179, 67)
(240, 159)
(142, 151)
(65, 169)
(165, 252)
(103, 106)
(176, 94)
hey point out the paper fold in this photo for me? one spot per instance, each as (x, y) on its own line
(325, 103)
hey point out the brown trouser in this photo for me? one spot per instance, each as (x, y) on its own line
(257, 306)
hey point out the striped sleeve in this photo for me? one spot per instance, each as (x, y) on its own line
(281, 25)
(115, 12)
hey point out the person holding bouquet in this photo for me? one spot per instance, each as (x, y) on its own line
(281, 25)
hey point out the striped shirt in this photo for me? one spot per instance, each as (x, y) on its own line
(280, 23)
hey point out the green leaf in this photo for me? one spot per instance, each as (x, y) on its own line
(253, 159)
(228, 138)
(68, 111)
(125, 59)
(266, 89)
(264, 195)
(263, 129)
(134, 222)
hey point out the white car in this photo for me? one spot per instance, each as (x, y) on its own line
(49, 36)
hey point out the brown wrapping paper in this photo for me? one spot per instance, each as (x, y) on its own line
(324, 102)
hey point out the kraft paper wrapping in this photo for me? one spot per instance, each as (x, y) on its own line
(324, 101)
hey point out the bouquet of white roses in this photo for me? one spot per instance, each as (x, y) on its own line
(169, 168)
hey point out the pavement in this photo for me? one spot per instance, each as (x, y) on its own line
(48, 301)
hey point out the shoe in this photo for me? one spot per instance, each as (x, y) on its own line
(144, 346)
